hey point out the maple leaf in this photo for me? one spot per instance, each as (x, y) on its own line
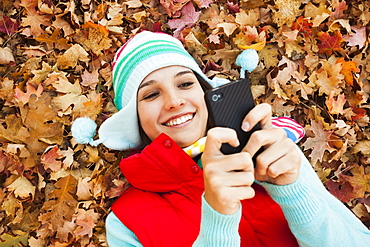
(356, 38)
(35, 20)
(304, 26)
(228, 28)
(249, 18)
(341, 190)
(359, 181)
(51, 159)
(22, 188)
(319, 144)
(172, 7)
(71, 57)
(86, 221)
(339, 11)
(336, 106)
(93, 107)
(84, 189)
(72, 95)
(40, 120)
(269, 55)
(90, 79)
(330, 43)
(25, 97)
(8, 25)
(329, 79)
(214, 38)
(347, 69)
(94, 38)
(189, 18)
(60, 43)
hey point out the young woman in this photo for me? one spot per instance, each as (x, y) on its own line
(208, 199)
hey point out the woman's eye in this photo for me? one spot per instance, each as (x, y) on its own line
(186, 84)
(150, 96)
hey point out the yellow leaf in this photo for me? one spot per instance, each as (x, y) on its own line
(259, 46)
(22, 188)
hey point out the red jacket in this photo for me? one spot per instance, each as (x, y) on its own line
(163, 206)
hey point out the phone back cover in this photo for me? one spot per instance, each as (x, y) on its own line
(229, 112)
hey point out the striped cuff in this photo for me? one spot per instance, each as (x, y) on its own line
(294, 130)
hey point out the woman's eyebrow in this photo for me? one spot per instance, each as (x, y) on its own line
(147, 83)
(183, 73)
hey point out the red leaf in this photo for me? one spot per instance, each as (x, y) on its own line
(341, 190)
(8, 26)
(330, 43)
(303, 25)
(188, 18)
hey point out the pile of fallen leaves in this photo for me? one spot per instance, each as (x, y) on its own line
(56, 59)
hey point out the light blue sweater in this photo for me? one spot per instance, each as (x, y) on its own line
(315, 217)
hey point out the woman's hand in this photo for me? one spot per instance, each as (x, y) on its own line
(227, 178)
(279, 163)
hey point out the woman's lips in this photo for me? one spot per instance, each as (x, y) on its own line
(179, 120)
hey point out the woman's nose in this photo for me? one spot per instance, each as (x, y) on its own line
(174, 100)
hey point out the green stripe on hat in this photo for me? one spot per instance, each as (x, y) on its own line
(136, 57)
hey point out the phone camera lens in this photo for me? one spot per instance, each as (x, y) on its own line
(216, 97)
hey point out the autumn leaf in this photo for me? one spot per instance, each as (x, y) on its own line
(336, 106)
(54, 39)
(72, 56)
(61, 204)
(359, 181)
(341, 190)
(356, 38)
(6, 56)
(25, 97)
(51, 159)
(8, 25)
(347, 68)
(22, 188)
(319, 143)
(8, 240)
(363, 147)
(330, 43)
(93, 38)
(304, 26)
(188, 18)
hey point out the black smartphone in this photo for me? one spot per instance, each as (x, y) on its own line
(227, 106)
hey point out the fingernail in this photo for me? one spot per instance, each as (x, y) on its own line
(245, 126)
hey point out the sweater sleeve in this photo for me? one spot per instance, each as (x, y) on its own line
(118, 235)
(316, 217)
(216, 230)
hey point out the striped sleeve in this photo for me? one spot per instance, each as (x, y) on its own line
(293, 129)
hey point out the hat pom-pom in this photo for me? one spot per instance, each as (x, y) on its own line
(83, 131)
(248, 60)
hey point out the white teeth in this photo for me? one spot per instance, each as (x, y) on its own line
(179, 120)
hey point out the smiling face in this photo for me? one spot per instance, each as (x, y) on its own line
(171, 101)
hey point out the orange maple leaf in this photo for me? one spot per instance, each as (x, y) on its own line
(336, 106)
(303, 25)
(347, 69)
(330, 43)
(60, 43)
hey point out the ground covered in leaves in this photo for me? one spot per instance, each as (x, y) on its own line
(55, 66)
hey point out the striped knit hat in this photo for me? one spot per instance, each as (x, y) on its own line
(141, 55)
